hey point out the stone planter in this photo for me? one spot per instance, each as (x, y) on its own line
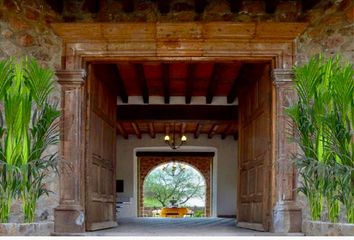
(317, 228)
(26, 229)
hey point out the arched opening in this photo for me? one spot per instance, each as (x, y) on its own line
(174, 189)
(202, 162)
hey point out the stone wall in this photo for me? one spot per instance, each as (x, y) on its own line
(181, 11)
(330, 31)
(25, 30)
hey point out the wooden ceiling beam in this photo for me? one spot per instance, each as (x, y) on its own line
(177, 112)
(227, 131)
(122, 131)
(121, 87)
(142, 81)
(271, 6)
(128, 6)
(212, 131)
(189, 83)
(197, 130)
(199, 6)
(164, 6)
(212, 84)
(246, 71)
(136, 129)
(152, 130)
(166, 82)
(235, 5)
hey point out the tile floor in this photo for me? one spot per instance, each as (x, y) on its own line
(178, 227)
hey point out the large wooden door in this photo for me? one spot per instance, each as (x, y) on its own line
(255, 150)
(100, 153)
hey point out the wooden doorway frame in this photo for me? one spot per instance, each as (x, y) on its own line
(195, 41)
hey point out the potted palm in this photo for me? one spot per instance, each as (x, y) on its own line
(323, 117)
(28, 126)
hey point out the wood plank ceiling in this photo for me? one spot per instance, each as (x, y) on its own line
(195, 98)
(190, 82)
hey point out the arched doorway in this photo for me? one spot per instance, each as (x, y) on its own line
(174, 184)
(202, 161)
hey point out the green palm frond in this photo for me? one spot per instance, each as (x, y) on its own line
(323, 118)
(31, 127)
(40, 81)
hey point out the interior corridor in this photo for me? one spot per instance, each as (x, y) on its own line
(178, 227)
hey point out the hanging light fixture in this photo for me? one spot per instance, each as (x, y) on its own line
(174, 142)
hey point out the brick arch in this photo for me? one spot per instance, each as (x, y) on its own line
(202, 163)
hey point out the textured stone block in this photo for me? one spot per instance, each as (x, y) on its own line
(26, 229)
(316, 228)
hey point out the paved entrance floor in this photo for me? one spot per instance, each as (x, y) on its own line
(177, 227)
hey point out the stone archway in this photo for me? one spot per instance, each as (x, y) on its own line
(202, 163)
(219, 41)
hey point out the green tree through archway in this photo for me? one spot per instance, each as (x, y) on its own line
(174, 184)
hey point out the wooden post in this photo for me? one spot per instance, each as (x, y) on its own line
(286, 212)
(70, 214)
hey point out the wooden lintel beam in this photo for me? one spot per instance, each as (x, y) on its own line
(142, 81)
(271, 6)
(226, 132)
(130, 112)
(212, 84)
(189, 83)
(212, 131)
(122, 131)
(152, 130)
(128, 6)
(121, 87)
(166, 82)
(164, 6)
(136, 130)
(235, 5)
(197, 130)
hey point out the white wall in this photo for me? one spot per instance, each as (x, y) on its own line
(226, 165)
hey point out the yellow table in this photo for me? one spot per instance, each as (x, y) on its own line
(173, 212)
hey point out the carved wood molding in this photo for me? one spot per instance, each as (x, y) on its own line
(184, 41)
(71, 77)
(280, 76)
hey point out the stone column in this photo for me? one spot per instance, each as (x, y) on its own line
(286, 213)
(69, 216)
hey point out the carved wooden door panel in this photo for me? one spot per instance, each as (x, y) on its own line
(254, 152)
(100, 153)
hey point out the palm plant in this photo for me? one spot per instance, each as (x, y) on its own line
(30, 129)
(323, 118)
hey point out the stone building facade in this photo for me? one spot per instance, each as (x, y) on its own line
(25, 30)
